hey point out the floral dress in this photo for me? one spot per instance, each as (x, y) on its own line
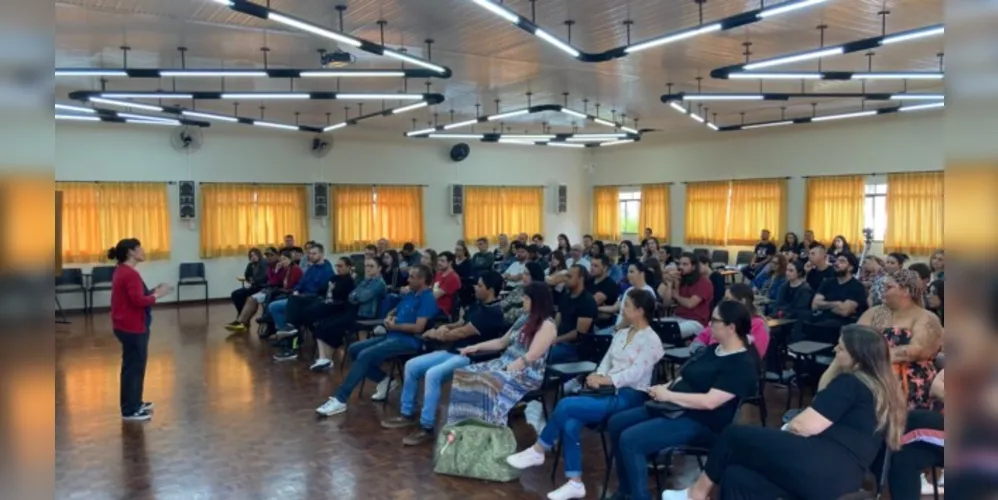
(916, 377)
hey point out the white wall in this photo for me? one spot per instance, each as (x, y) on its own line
(863, 146)
(242, 154)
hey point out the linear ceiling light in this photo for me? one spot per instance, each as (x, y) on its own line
(914, 34)
(79, 118)
(766, 125)
(168, 123)
(566, 145)
(731, 22)
(900, 75)
(311, 28)
(276, 125)
(917, 97)
(616, 143)
(679, 107)
(524, 142)
(543, 108)
(126, 104)
(205, 73)
(722, 97)
(111, 116)
(804, 56)
(508, 114)
(460, 124)
(415, 60)
(339, 73)
(262, 95)
(78, 109)
(335, 127)
(784, 96)
(920, 107)
(836, 75)
(840, 116)
(858, 114)
(790, 75)
(210, 116)
(376, 97)
(281, 73)
(410, 107)
(424, 131)
(568, 140)
(90, 72)
(430, 99)
(457, 136)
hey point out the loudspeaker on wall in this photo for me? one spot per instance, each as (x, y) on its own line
(188, 203)
(320, 200)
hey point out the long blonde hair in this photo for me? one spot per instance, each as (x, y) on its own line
(871, 355)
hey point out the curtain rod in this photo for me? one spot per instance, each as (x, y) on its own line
(634, 185)
(736, 180)
(876, 173)
(375, 185)
(116, 182)
(504, 185)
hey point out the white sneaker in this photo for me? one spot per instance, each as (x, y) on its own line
(287, 332)
(321, 365)
(525, 459)
(331, 407)
(571, 489)
(927, 488)
(676, 494)
(384, 387)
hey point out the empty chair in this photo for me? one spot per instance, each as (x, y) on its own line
(192, 274)
(70, 280)
(675, 252)
(701, 251)
(358, 265)
(719, 258)
(100, 281)
(743, 258)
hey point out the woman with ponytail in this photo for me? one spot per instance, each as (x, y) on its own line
(131, 315)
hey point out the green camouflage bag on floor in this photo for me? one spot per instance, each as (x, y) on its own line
(473, 448)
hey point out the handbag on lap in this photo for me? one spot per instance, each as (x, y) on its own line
(475, 449)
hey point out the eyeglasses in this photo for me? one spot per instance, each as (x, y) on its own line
(716, 320)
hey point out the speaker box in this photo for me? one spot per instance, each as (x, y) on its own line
(562, 198)
(320, 200)
(456, 199)
(188, 203)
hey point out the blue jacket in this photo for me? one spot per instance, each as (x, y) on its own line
(316, 279)
(367, 295)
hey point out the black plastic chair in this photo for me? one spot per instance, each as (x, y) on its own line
(192, 274)
(675, 252)
(701, 251)
(719, 258)
(100, 281)
(743, 258)
(70, 280)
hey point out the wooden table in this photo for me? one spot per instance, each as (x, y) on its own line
(729, 275)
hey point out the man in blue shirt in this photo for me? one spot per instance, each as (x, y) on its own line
(405, 325)
(312, 284)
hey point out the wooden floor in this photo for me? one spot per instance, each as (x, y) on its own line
(230, 423)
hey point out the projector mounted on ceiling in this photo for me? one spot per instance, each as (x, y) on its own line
(337, 59)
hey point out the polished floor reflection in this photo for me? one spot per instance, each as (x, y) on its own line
(230, 423)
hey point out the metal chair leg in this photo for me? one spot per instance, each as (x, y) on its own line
(557, 458)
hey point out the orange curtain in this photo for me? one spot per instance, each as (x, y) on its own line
(95, 216)
(972, 208)
(17, 220)
(706, 212)
(353, 218)
(653, 210)
(489, 211)
(399, 212)
(914, 213)
(606, 213)
(756, 204)
(238, 217)
(834, 207)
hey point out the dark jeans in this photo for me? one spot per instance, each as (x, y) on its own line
(908, 463)
(367, 357)
(134, 353)
(331, 329)
(240, 295)
(306, 310)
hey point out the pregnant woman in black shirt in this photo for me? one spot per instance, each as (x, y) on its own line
(824, 452)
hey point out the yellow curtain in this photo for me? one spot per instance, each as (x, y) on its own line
(353, 218)
(606, 213)
(95, 216)
(914, 213)
(238, 217)
(972, 209)
(653, 210)
(706, 213)
(16, 221)
(756, 204)
(400, 215)
(489, 211)
(834, 207)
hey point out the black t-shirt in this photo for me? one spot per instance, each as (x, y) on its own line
(487, 319)
(607, 287)
(796, 248)
(717, 280)
(463, 269)
(342, 285)
(849, 405)
(815, 277)
(805, 248)
(733, 373)
(573, 308)
(833, 291)
(764, 249)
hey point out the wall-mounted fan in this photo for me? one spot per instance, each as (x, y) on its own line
(320, 146)
(186, 139)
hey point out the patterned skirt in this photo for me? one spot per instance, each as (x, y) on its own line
(488, 392)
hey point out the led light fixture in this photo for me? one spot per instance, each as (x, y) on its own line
(574, 113)
(204, 73)
(722, 97)
(790, 75)
(148, 118)
(311, 28)
(524, 142)
(78, 118)
(90, 72)
(144, 95)
(424, 131)
(401, 97)
(787, 7)
(713, 127)
(804, 56)
(460, 124)
(675, 37)
(909, 75)
(498, 10)
(339, 73)
(917, 97)
(914, 35)
(566, 145)
(78, 109)
(840, 116)
(334, 127)
(210, 116)
(921, 107)
(415, 60)
(268, 96)
(622, 130)
(275, 125)
(431, 99)
(457, 136)
(508, 114)
(672, 99)
(835, 75)
(858, 114)
(529, 137)
(111, 116)
(766, 125)
(126, 104)
(281, 73)
(616, 143)
(410, 107)
(167, 123)
(549, 38)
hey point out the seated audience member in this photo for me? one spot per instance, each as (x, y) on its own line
(254, 278)
(914, 334)
(579, 256)
(628, 255)
(817, 267)
(795, 296)
(512, 304)
(824, 452)
(538, 241)
(522, 238)
(298, 257)
(483, 322)
(370, 251)
(603, 288)
(807, 244)
(596, 249)
(564, 244)
(873, 269)
(289, 242)
(707, 392)
(791, 248)
(361, 302)
(409, 256)
(462, 262)
(892, 264)
(489, 390)
(647, 235)
(636, 278)
(764, 251)
(429, 259)
(504, 250)
(281, 280)
(576, 313)
(305, 310)
(715, 277)
(924, 275)
(483, 260)
(626, 368)
(390, 272)
(839, 247)
(382, 247)
(840, 300)
(587, 244)
(534, 254)
(921, 449)
(938, 265)
(513, 274)
(404, 325)
(768, 285)
(312, 285)
(613, 253)
(665, 256)
(303, 261)
(649, 250)
(653, 273)
(446, 283)
(934, 298)
(691, 292)
(759, 336)
(556, 273)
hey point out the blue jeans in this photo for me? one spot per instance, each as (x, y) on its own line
(572, 413)
(562, 352)
(277, 310)
(637, 433)
(367, 357)
(438, 367)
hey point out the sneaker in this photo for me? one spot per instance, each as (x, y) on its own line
(399, 422)
(331, 407)
(571, 489)
(147, 406)
(141, 415)
(286, 355)
(234, 323)
(384, 387)
(418, 437)
(526, 459)
(927, 488)
(676, 494)
(286, 332)
(236, 328)
(321, 365)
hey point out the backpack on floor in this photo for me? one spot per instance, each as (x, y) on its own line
(475, 449)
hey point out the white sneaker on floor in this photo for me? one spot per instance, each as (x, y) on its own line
(525, 459)
(571, 489)
(286, 332)
(384, 387)
(331, 407)
(321, 365)
(676, 495)
(927, 488)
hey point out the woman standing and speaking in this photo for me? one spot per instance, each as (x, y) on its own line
(131, 316)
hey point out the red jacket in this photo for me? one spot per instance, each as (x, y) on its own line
(130, 301)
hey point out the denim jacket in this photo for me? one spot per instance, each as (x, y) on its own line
(367, 295)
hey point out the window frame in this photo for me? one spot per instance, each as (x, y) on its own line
(627, 198)
(875, 192)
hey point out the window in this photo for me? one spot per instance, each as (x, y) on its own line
(238, 217)
(875, 209)
(630, 207)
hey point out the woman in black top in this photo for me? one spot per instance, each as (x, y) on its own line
(564, 244)
(462, 261)
(597, 249)
(708, 390)
(715, 277)
(791, 247)
(824, 452)
(839, 246)
(794, 298)
(254, 278)
(390, 270)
